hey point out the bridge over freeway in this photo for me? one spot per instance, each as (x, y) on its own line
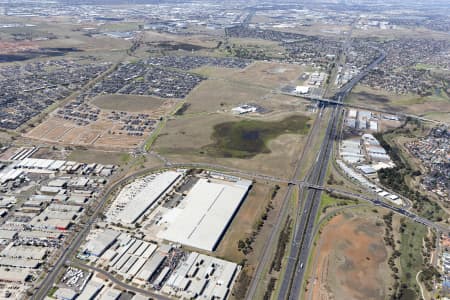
(365, 107)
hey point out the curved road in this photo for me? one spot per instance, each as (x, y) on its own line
(122, 284)
(51, 277)
(77, 240)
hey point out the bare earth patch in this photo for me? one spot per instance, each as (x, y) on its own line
(352, 261)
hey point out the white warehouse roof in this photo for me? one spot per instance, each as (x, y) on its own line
(300, 89)
(209, 208)
(101, 242)
(146, 196)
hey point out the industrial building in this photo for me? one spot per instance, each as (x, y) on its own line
(91, 290)
(100, 242)
(13, 275)
(351, 151)
(301, 89)
(201, 276)
(109, 294)
(244, 109)
(136, 198)
(205, 213)
(65, 294)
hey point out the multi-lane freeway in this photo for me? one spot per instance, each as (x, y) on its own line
(267, 251)
(292, 280)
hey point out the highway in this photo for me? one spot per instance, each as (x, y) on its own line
(376, 201)
(344, 90)
(79, 237)
(292, 280)
(366, 107)
(271, 244)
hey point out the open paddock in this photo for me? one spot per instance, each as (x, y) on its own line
(123, 123)
(57, 132)
(187, 139)
(431, 106)
(263, 74)
(227, 88)
(213, 95)
(199, 40)
(119, 141)
(131, 103)
(88, 137)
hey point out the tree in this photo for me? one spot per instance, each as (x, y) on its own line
(241, 244)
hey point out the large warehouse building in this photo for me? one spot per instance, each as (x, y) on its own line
(204, 215)
(135, 199)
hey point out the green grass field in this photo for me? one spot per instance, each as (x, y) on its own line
(247, 138)
(411, 260)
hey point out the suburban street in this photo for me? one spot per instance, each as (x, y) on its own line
(224, 149)
(66, 255)
(121, 283)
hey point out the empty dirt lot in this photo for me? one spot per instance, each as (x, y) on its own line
(101, 134)
(263, 74)
(350, 260)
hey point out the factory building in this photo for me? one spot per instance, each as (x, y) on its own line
(100, 242)
(91, 290)
(205, 213)
(14, 275)
(202, 276)
(139, 196)
(302, 89)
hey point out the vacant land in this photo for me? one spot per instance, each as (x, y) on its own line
(153, 37)
(329, 203)
(130, 103)
(436, 105)
(226, 88)
(350, 246)
(187, 139)
(263, 74)
(105, 132)
(214, 95)
(400, 33)
(411, 261)
(245, 222)
(247, 138)
(97, 156)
